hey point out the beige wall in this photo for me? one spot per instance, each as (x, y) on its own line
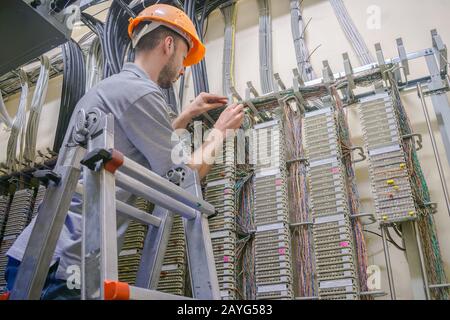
(410, 19)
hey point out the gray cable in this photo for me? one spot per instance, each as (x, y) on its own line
(228, 13)
(94, 64)
(265, 47)
(37, 102)
(4, 115)
(17, 128)
(302, 54)
(352, 33)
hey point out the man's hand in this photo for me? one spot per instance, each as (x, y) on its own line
(230, 119)
(203, 103)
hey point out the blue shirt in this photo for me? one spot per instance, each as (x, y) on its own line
(142, 132)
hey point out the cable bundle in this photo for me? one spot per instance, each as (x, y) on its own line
(352, 33)
(229, 14)
(245, 246)
(265, 47)
(353, 196)
(39, 95)
(18, 127)
(4, 115)
(303, 256)
(73, 88)
(199, 73)
(302, 54)
(426, 224)
(94, 64)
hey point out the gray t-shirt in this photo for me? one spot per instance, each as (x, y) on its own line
(142, 132)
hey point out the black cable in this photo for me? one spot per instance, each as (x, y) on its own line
(397, 231)
(377, 234)
(127, 9)
(392, 240)
(72, 89)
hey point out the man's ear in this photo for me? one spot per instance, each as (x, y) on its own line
(169, 45)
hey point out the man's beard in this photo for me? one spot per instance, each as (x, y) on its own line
(168, 74)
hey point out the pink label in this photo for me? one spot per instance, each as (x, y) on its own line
(278, 182)
(335, 170)
(282, 251)
(344, 244)
(226, 191)
(226, 259)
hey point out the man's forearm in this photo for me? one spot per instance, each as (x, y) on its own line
(203, 158)
(182, 121)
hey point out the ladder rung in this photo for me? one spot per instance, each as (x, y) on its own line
(151, 179)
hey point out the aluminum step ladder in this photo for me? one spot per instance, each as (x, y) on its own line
(90, 143)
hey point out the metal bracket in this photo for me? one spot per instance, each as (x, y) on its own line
(441, 48)
(381, 61)
(247, 102)
(349, 75)
(327, 73)
(235, 93)
(252, 89)
(360, 153)
(279, 81)
(298, 77)
(403, 57)
(415, 142)
(296, 90)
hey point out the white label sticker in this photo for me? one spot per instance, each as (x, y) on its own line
(335, 283)
(265, 173)
(218, 182)
(274, 287)
(317, 163)
(219, 234)
(326, 219)
(169, 267)
(268, 227)
(388, 149)
(128, 252)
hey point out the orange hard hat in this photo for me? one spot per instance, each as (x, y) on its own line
(177, 20)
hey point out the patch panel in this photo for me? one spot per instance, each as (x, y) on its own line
(388, 171)
(272, 238)
(332, 239)
(219, 191)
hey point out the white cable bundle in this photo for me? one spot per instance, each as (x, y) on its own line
(229, 16)
(37, 102)
(94, 64)
(352, 34)
(265, 47)
(18, 126)
(4, 115)
(301, 50)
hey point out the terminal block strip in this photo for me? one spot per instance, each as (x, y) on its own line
(336, 264)
(273, 268)
(220, 192)
(173, 273)
(388, 170)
